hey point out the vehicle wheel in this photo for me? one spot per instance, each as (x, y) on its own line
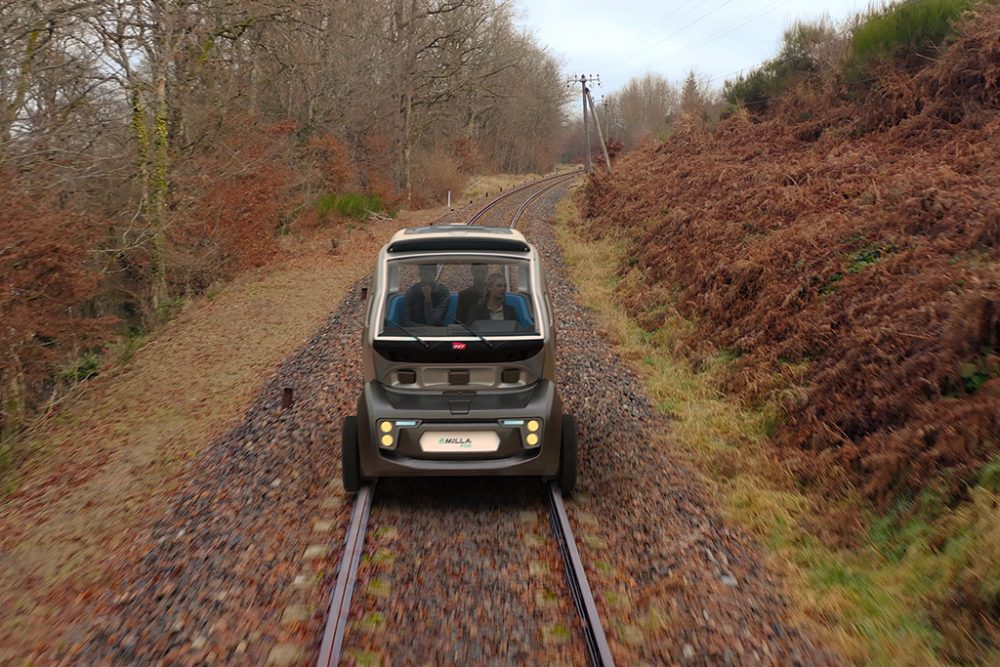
(567, 455)
(350, 462)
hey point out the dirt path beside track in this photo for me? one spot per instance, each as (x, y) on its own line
(109, 460)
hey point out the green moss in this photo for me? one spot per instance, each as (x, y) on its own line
(373, 621)
(366, 659)
(383, 557)
(379, 588)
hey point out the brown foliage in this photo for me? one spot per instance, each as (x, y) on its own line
(235, 196)
(858, 240)
(437, 172)
(47, 277)
(336, 168)
(376, 168)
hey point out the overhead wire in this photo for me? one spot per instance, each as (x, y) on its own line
(731, 27)
(619, 61)
(843, 31)
(647, 36)
(726, 30)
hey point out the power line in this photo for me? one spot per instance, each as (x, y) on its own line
(647, 35)
(839, 33)
(670, 15)
(733, 26)
(677, 31)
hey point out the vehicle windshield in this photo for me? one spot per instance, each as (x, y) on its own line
(466, 297)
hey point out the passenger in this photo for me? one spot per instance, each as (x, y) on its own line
(427, 300)
(492, 305)
(471, 295)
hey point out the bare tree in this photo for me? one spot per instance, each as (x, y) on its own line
(641, 109)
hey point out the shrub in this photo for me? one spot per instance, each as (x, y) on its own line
(437, 171)
(351, 205)
(897, 32)
(46, 300)
(233, 203)
(333, 160)
(83, 368)
(803, 52)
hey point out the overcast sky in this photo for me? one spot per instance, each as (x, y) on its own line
(622, 39)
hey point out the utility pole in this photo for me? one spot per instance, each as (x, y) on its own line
(597, 123)
(583, 80)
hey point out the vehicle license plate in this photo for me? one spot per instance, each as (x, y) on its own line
(458, 441)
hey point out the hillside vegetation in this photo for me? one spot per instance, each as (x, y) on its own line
(834, 242)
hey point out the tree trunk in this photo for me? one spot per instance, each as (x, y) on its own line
(159, 194)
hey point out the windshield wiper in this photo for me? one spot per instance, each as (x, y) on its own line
(412, 335)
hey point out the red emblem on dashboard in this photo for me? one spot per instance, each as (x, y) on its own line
(457, 345)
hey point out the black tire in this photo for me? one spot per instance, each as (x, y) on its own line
(567, 455)
(350, 462)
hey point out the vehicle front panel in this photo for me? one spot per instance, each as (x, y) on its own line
(459, 433)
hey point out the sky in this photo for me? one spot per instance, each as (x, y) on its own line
(623, 39)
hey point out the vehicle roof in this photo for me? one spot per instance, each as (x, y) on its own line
(457, 238)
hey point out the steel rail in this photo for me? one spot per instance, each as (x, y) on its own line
(530, 200)
(576, 577)
(517, 190)
(339, 607)
(340, 599)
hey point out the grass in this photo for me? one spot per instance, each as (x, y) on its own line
(492, 184)
(351, 205)
(482, 186)
(83, 368)
(880, 602)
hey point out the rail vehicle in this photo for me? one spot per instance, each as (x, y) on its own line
(459, 363)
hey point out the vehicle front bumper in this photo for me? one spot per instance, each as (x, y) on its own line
(414, 414)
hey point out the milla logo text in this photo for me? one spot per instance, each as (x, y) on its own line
(457, 345)
(463, 443)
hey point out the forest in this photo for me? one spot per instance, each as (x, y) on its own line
(152, 148)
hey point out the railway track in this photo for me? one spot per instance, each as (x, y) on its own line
(598, 650)
(540, 187)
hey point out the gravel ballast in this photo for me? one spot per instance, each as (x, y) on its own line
(238, 569)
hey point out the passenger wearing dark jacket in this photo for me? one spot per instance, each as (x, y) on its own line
(472, 294)
(492, 306)
(427, 300)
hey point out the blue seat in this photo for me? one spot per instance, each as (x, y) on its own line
(397, 307)
(394, 313)
(519, 302)
(449, 315)
(396, 310)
